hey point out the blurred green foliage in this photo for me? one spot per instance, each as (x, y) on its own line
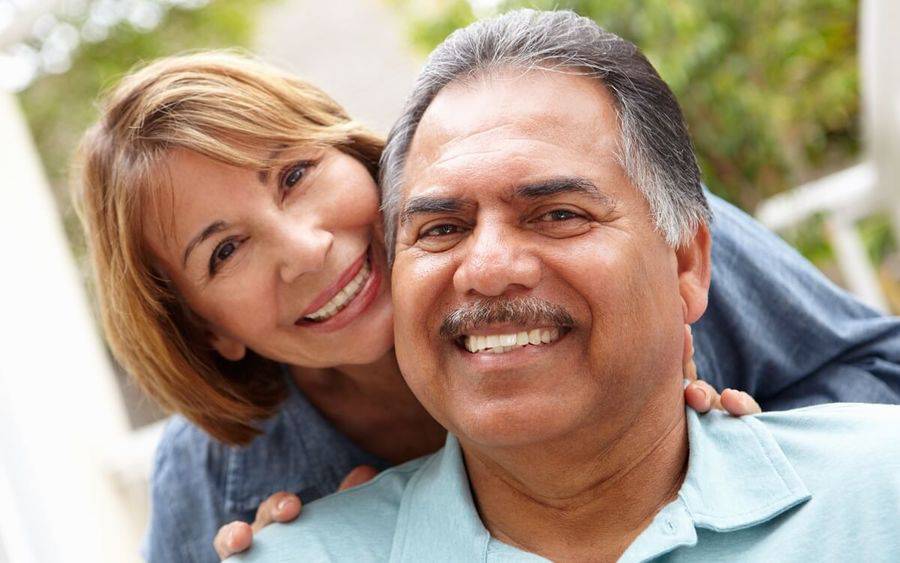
(59, 108)
(770, 89)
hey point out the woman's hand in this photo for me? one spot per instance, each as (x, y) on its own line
(237, 536)
(701, 396)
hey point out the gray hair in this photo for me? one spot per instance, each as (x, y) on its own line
(655, 149)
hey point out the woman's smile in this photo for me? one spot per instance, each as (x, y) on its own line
(347, 299)
(335, 297)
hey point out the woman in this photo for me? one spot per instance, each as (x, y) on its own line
(233, 224)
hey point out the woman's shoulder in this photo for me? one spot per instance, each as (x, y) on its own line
(184, 453)
(198, 483)
(297, 451)
(187, 488)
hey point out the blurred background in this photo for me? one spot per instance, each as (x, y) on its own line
(793, 106)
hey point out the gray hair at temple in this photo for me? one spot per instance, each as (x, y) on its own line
(655, 149)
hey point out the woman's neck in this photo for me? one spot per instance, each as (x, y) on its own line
(373, 406)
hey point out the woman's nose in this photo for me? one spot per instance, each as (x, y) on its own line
(302, 249)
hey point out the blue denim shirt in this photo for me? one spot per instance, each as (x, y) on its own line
(775, 327)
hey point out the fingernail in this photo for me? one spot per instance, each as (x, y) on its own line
(282, 504)
(230, 538)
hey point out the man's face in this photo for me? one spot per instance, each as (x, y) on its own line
(517, 217)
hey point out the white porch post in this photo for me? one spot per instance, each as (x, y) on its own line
(59, 407)
(880, 60)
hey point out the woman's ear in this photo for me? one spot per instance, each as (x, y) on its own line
(694, 271)
(227, 347)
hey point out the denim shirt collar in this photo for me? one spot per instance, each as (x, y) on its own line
(300, 452)
(737, 477)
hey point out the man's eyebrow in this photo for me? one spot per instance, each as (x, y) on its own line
(209, 231)
(561, 185)
(432, 205)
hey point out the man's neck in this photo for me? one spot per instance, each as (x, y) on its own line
(565, 501)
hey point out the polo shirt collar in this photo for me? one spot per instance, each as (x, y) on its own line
(737, 477)
(437, 512)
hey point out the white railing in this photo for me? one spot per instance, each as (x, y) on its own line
(873, 186)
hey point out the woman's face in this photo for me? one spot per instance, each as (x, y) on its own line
(289, 264)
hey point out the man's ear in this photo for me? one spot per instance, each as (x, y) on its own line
(227, 347)
(694, 270)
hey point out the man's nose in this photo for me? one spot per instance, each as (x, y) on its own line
(496, 260)
(301, 248)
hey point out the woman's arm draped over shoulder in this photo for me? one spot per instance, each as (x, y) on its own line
(778, 329)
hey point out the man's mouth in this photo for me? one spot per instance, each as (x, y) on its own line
(502, 343)
(344, 296)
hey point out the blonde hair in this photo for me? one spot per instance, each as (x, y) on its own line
(238, 111)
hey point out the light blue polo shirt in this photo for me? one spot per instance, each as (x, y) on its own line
(814, 484)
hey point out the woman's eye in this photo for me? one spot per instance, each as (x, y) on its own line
(293, 175)
(222, 253)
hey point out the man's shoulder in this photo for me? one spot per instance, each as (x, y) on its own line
(862, 426)
(850, 443)
(354, 525)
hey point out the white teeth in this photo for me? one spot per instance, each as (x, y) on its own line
(343, 297)
(500, 343)
(549, 335)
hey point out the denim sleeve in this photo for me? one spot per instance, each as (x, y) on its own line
(186, 496)
(778, 329)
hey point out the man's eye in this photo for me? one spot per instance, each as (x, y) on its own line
(440, 231)
(559, 215)
(222, 252)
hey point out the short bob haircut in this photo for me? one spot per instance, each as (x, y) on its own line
(228, 107)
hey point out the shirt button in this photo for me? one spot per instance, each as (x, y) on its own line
(669, 526)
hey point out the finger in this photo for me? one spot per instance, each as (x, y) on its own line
(280, 507)
(688, 366)
(358, 476)
(232, 538)
(697, 395)
(739, 403)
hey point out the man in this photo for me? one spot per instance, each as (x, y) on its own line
(551, 244)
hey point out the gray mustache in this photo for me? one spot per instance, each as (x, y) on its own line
(526, 310)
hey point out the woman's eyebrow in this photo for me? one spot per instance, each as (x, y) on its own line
(263, 175)
(209, 231)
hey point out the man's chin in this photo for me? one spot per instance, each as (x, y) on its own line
(511, 425)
